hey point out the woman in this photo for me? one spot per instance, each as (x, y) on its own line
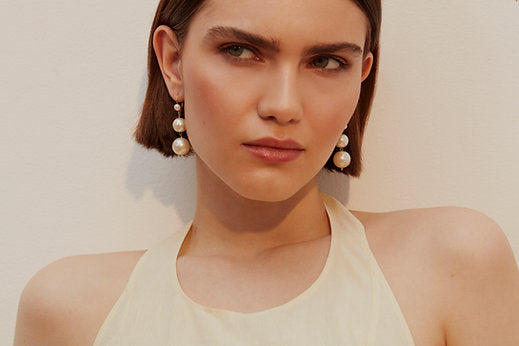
(267, 94)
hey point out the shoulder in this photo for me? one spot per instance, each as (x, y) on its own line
(451, 235)
(67, 301)
(460, 260)
(459, 233)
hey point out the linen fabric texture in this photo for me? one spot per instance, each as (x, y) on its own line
(350, 303)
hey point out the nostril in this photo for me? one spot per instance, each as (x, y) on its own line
(283, 119)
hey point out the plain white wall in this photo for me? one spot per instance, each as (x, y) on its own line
(72, 77)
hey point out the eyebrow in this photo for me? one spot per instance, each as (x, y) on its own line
(334, 47)
(256, 40)
(273, 45)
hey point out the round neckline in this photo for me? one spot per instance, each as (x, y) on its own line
(293, 301)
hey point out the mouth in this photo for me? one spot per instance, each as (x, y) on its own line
(274, 150)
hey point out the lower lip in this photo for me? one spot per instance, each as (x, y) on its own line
(273, 154)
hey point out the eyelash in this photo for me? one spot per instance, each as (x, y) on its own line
(224, 49)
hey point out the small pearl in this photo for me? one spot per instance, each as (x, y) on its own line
(177, 107)
(343, 141)
(341, 159)
(179, 125)
(181, 146)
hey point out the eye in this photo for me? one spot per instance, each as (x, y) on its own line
(328, 63)
(237, 51)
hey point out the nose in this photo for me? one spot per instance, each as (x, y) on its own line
(281, 100)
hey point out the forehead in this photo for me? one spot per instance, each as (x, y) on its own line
(287, 21)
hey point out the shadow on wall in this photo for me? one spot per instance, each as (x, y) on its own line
(334, 184)
(172, 181)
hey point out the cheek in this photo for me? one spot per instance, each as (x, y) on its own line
(207, 104)
(216, 97)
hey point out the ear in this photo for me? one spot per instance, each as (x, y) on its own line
(366, 66)
(167, 50)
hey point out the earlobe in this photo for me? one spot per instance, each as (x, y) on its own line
(366, 65)
(167, 51)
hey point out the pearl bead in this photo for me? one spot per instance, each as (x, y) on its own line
(179, 125)
(177, 107)
(343, 141)
(341, 159)
(181, 146)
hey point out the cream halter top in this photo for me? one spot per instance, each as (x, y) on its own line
(350, 303)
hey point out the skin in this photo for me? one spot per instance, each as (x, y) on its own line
(261, 225)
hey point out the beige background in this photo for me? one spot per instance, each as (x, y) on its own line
(72, 76)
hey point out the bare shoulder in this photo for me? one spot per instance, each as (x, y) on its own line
(461, 268)
(455, 231)
(66, 302)
(453, 236)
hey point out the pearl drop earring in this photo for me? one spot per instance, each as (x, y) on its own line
(342, 159)
(181, 145)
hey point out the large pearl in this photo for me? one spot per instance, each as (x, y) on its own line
(343, 141)
(181, 146)
(179, 125)
(342, 159)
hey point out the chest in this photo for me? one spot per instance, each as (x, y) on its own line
(253, 285)
(284, 283)
(335, 307)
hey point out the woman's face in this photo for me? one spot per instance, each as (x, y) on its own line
(268, 87)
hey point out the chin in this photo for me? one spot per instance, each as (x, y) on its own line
(266, 195)
(268, 190)
(256, 184)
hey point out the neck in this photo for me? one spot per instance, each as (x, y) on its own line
(227, 223)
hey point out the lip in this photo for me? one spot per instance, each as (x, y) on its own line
(271, 142)
(274, 150)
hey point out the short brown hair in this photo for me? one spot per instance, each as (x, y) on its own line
(154, 128)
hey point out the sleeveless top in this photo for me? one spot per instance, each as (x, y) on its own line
(350, 303)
